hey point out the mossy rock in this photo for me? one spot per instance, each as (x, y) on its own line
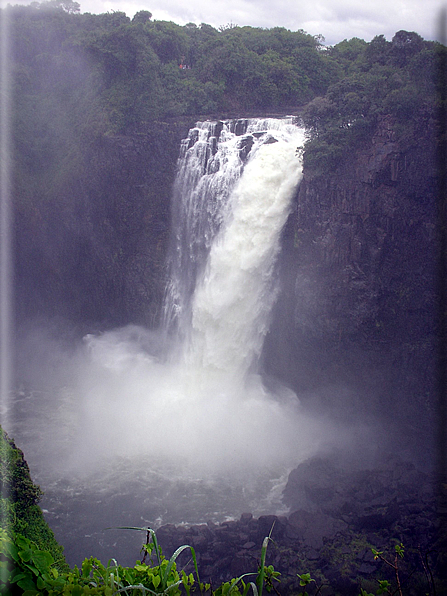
(19, 509)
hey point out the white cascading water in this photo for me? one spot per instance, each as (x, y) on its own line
(205, 404)
(227, 237)
(141, 427)
(235, 294)
(189, 432)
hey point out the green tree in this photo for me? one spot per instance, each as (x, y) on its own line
(142, 16)
(19, 510)
(405, 45)
(169, 41)
(377, 51)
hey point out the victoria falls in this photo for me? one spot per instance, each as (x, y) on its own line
(224, 301)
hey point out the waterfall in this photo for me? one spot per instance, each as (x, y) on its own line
(203, 405)
(231, 199)
(195, 433)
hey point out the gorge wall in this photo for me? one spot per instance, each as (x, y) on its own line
(355, 318)
(95, 255)
(357, 314)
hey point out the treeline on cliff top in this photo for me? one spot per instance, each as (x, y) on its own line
(76, 77)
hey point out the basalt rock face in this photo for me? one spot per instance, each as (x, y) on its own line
(95, 252)
(337, 517)
(354, 328)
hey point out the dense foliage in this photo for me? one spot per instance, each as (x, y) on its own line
(29, 571)
(32, 572)
(19, 509)
(117, 73)
(396, 79)
(77, 77)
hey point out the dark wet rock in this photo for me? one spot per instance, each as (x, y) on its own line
(313, 527)
(267, 523)
(193, 137)
(312, 482)
(245, 145)
(331, 538)
(270, 140)
(239, 127)
(217, 129)
(213, 145)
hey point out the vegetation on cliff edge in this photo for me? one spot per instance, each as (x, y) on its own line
(76, 77)
(19, 498)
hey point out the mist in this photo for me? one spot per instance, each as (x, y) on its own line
(191, 396)
(181, 423)
(129, 404)
(113, 398)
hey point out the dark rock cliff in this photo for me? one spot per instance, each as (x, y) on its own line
(354, 329)
(95, 253)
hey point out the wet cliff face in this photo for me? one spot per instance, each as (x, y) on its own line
(94, 252)
(354, 329)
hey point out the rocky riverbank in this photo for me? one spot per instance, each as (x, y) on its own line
(336, 517)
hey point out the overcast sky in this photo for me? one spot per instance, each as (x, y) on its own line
(334, 19)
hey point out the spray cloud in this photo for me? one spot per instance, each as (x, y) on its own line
(204, 407)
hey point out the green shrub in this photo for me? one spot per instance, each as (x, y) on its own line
(19, 510)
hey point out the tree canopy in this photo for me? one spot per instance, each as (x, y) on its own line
(76, 77)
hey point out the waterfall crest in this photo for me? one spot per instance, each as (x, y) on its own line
(232, 196)
(204, 406)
